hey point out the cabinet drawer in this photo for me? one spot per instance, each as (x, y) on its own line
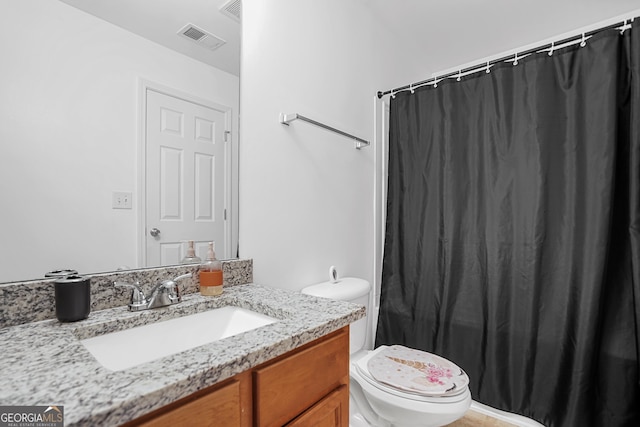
(220, 407)
(332, 411)
(286, 388)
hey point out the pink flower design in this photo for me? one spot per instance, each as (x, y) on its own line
(435, 373)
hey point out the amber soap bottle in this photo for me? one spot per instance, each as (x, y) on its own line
(211, 274)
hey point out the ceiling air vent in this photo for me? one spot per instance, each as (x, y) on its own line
(201, 37)
(232, 9)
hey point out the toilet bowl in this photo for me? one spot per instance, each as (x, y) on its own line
(385, 405)
(386, 387)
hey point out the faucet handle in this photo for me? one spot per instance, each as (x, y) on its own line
(173, 290)
(137, 297)
(172, 283)
(182, 276)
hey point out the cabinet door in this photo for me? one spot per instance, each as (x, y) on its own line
(220, 407)
(332, 411)
(289, 386)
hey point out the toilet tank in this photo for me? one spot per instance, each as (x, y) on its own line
(349, 289)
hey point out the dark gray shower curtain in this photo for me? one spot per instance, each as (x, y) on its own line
(512, 238)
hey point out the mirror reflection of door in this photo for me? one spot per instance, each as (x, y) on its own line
(187, 178)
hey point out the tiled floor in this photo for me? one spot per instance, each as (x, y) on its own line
(475, 419)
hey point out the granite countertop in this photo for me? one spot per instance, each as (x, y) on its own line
(44, 363)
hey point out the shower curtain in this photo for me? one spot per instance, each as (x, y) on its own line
(512, 242)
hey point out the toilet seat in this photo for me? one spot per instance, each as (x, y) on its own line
(361, 369)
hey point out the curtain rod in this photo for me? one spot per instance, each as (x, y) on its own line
(622, 25)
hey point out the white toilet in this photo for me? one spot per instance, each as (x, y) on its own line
(378, 395)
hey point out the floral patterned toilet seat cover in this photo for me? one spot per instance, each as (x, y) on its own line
(416, 371)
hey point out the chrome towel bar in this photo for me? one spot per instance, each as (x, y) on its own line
(285, 119)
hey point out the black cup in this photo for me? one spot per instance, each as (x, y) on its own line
(73, 298)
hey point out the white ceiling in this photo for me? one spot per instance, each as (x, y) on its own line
(453, 32)
(160, 21)
(443, 35)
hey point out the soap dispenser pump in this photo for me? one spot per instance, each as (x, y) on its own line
(191, 257)
(211, 274)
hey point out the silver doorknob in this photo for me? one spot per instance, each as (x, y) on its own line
(154, 232)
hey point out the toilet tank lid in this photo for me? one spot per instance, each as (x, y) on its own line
(345, 289)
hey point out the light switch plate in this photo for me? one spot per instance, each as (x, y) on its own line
(121, 200)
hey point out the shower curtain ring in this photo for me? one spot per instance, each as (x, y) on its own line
(412, 89)
(626, 26)
(459, 75)
(435, 82)
(583, 43)
(515, 59)
(551, 49)
(488, 68)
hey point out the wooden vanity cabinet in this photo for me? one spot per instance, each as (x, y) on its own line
(308, 386)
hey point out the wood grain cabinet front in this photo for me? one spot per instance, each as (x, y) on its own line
(218, 407)
(287, 386)
(332, 411)
(308, 386)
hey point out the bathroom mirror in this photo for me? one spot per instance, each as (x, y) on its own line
(73, 105)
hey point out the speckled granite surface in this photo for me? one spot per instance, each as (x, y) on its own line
(44, 363)
(23, 302)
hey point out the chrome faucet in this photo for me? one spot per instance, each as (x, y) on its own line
(164, 293)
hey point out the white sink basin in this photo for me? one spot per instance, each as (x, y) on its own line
(124, 349)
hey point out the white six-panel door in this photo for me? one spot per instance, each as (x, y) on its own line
(186, 172)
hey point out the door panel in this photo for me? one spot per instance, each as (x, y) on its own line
(169, 252)
(205, 193)
(171, 173)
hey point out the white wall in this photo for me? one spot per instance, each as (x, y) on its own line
(306, 195)
(69, 88)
